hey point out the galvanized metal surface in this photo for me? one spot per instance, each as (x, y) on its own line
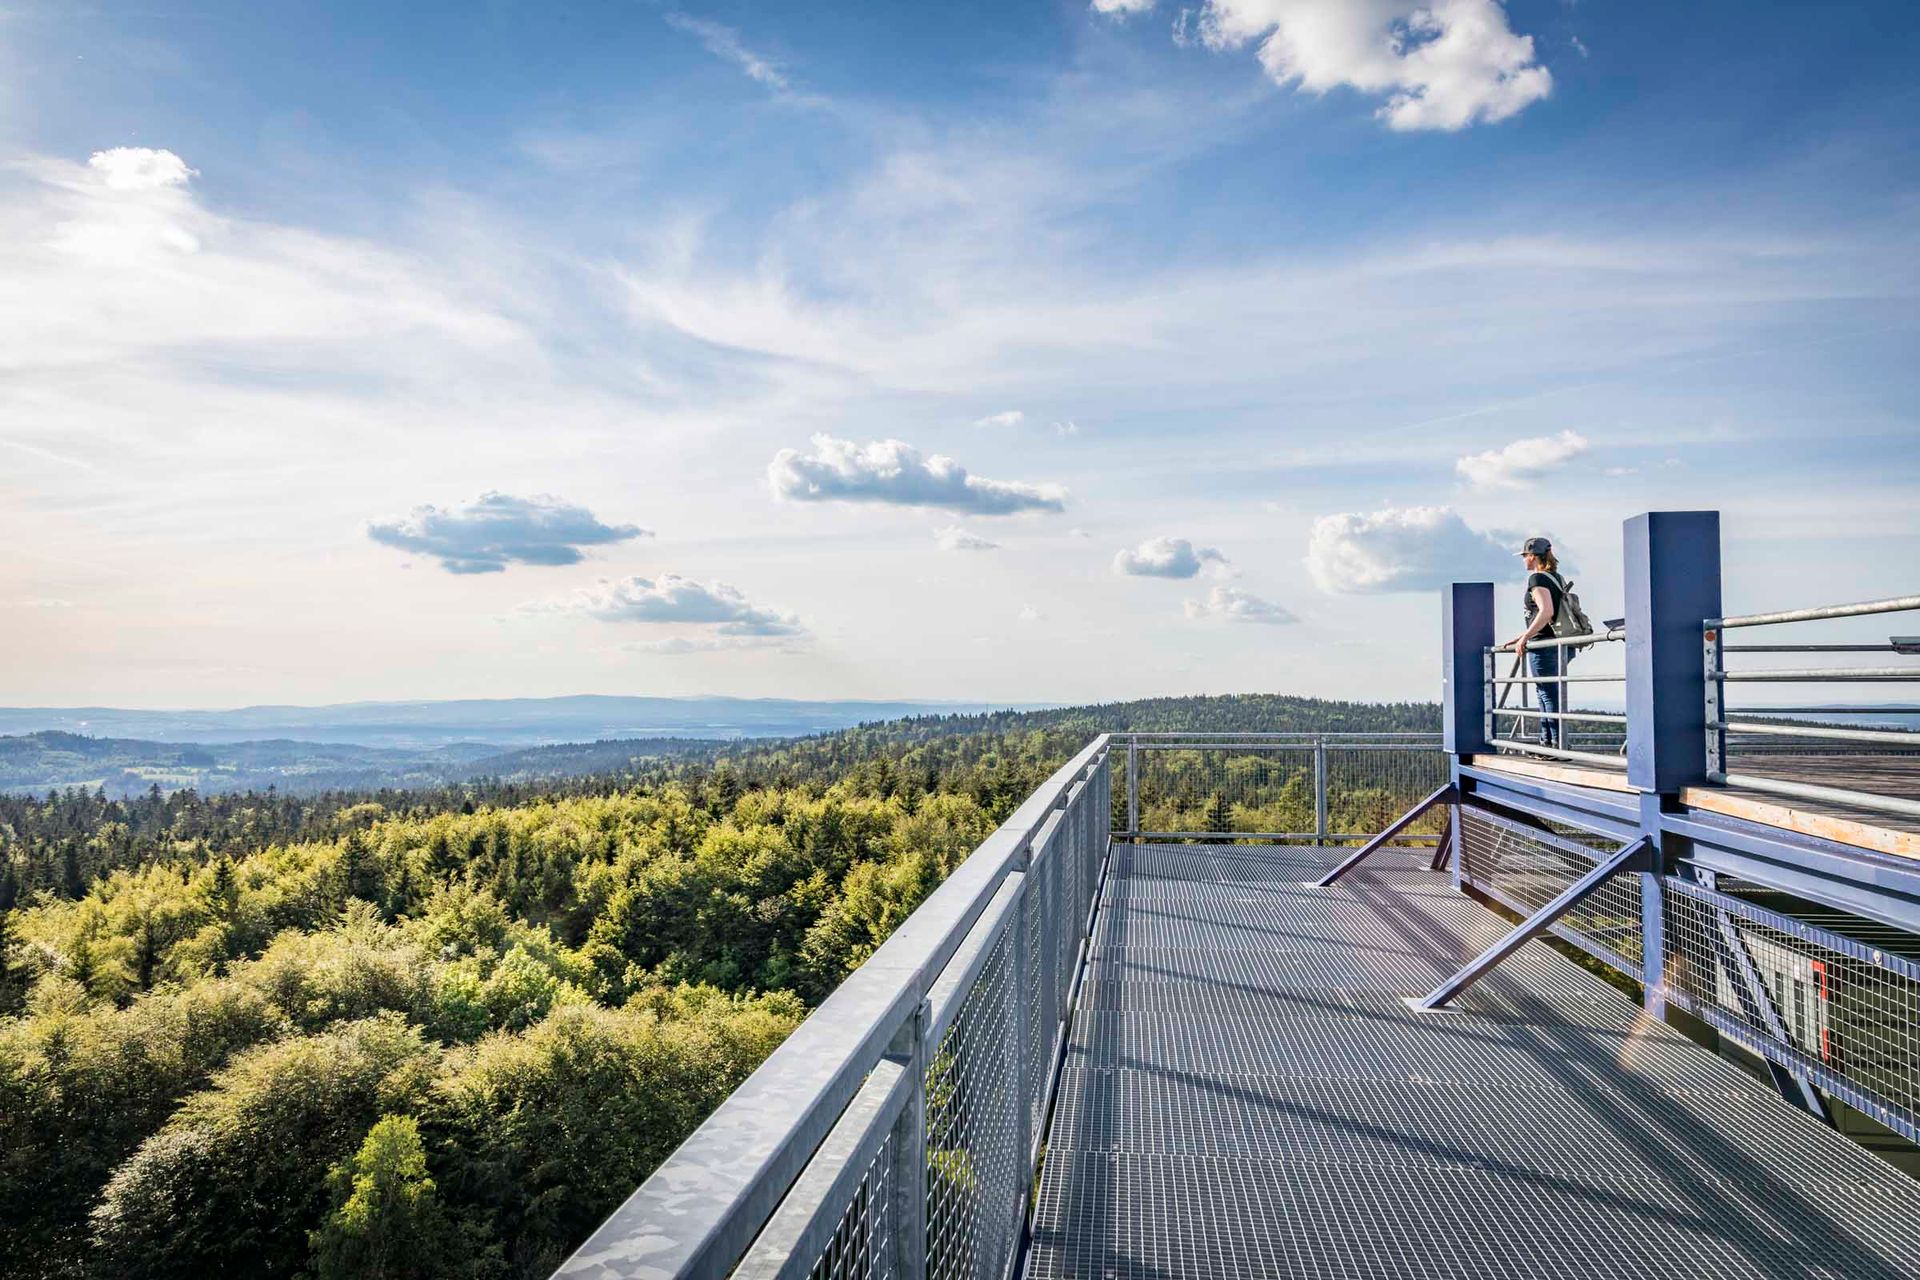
(1245, 1095)
(1898, 604)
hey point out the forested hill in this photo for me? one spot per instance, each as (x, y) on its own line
(442, 1033)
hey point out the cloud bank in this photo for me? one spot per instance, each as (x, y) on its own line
(1401, 549)
(1231, 604)
(1166, 558)
(1523, 463)
(671, 598)
(1442, 64)
(893, 472)
(497, 530)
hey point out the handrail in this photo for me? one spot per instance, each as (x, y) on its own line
(701, 1210)
(1566, 642)
(1897, 604)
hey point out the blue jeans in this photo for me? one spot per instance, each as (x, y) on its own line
(1542, 663)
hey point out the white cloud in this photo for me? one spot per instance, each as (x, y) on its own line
(1522, 463)
(1030, 614)
(1401, 549)
(1442, 65)
(895, 473)
(1123, 8)
(671, 598)
(1011, 418)
(1231, 604)
(1166, 558)
(1068, 427)
(139, 168)
(486, 535)
(954, 538)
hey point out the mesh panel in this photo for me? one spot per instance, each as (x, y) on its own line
(1524, 868)
(974, 1182)
(1281, 791)
(861, 1247)
(1846, 1013)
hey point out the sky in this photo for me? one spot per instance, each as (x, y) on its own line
(1011, 351)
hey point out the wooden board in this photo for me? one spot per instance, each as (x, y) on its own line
(1778, 811)
(1569, 774)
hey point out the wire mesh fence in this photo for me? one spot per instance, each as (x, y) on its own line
(1318, 788)
(1842, 1011)
(974, 1179)
(861, 1247)
(1525, 865)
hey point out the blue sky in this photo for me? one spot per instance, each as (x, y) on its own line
(1038, 352)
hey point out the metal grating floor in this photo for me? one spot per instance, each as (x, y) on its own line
(1246, 1096)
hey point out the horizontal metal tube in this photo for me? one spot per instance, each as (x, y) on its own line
(1808, 791)
(1898, 737)
(1598, 717)
(1808, 648)
(1588, 757)
(1564, 642)
(1620, 679)
(1309, 735)
(1899, 604)
(1435, 745)
(1838, 675)
(1859, 709)
(1268, 835)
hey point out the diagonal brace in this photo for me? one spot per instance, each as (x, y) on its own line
(1533, 926)
(1444, 850)
(1757, 1004)
(1444, 795)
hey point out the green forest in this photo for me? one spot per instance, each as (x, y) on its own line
(444, 1032)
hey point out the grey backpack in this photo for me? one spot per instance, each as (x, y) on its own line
(1569, 619)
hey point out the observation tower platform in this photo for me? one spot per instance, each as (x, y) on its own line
(1245, 1093)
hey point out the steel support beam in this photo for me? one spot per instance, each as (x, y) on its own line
(1532, 927)
(1756, 1003)
(1444, 794)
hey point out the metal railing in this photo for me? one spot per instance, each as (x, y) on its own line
(1275, 788)
(1571, 740)
(1747, 748)
(896, 1132)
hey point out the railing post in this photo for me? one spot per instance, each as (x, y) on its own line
(1133, 788)
(1466, 633)
(1672, 578)
(1319, 791)
(1466, 679)
(909, 1172)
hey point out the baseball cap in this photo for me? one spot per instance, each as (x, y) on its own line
(1535, 547)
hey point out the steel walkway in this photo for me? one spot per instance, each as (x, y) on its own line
(1245, 1095)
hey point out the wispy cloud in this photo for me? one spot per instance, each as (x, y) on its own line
(497, 529)
(671, 598)
(1009, 418)
(954, 538)
(895, 473)
(724, 42)
(1231, 604)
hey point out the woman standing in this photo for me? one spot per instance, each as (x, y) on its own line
(1545, 596)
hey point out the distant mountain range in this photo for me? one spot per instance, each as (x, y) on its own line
(495, 723)
(369, 745)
